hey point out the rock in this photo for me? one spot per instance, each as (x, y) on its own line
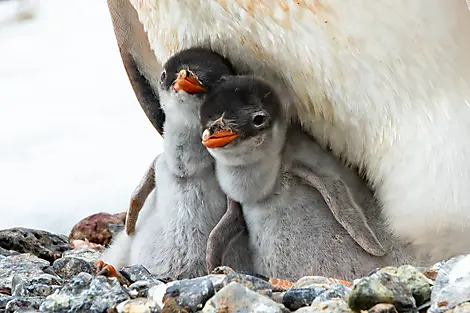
(5, 252)
(452, 285)
(70, 266)
(419, 284)
(368, 292)
(140, 305)
(462, 308)
(95, 228)
(41, 285)
(4, 301)
(23, 265)
(254, 283)
(235, 297)
(140, 289)
(335, 291)
(311, 281)
(85, 293)
(329, 306)
(135, 273)
(278, 296)
(23, 304)
(91, 256)
(217, 281)
(157, 292)
(383, 308)
(188, 294)
(41, 243)
(295, 298)
(225, 270)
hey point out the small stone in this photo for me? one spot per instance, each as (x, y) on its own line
(333, 306)
(452, 285)
(95, 228)
(236, 298)
(23, 304)
(368, 292)
(37, 286)
(335, 291)
(70, 266)
(278, 296)
(188, 294)
(140, 305)
(383, 308)
(217, 281)
(311, 281)
(223, 270)
(89, 255)
(137, 272)
(462, 308)
(431, 274)
(5, 252)
(23, 265)
(4, 301)
(141, 288)
(85, 293)
(254, 283)
(295, 298)
(42, 244)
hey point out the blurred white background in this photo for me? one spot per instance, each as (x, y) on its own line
(73, 138)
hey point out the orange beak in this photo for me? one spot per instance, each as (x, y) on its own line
(187, 83)
(218, 139)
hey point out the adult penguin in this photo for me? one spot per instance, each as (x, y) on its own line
(384, 84)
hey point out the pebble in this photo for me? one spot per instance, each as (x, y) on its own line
(452, 285)
(70, 266)
(329, 306)
(6, 252)
(235, 297)
(254, 283)
(23, 265)
(140, 288)
(188, 294)
(140, 305)
(42, 244)
(383, 308)
(41, 285)
(338, 291)
(137, 272)
(23, 304)
(295, 298)
(85, 293)
(96, 228)
(89, 255)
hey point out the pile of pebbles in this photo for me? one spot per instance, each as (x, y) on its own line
(40, 272)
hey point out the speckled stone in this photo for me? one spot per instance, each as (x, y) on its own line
(296, 298)
(140, 305)
(37, 286)
(22, 265)
(70, 266)
(188, 294)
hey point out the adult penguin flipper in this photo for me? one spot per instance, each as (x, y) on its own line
(141, 65)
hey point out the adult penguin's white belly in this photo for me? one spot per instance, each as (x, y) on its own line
(385, 83)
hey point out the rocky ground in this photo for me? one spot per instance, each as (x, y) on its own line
(44, 272)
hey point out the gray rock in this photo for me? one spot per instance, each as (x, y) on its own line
(368, 292)
(23, 304)
(85, 293)
(278, 296)
(329, 306)
(91, 256)
(23, 265)
(4, 301)
(70, 266)
(419, 284)
(135, 273)
(217, 280)
(235, 297)
(5, 252)
(295, 298)
(141, 305)
(383, 308)
(41, 285)
(141, 288)
(452, 285)
(335, 291)
(41, 243)
(311, 281)
(254, 283)
(188, 294)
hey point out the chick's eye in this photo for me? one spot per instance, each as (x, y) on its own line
(259, 119)
(163, 76)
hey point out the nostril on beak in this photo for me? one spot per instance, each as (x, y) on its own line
(182, 74)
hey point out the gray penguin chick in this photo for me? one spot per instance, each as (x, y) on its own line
(179, 195)
(306, 212)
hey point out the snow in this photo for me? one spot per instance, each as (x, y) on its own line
(73, 138)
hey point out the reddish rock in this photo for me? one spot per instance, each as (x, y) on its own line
(95, 228)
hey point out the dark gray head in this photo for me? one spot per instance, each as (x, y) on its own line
(187, 78)
(241, 114)
(195, 71)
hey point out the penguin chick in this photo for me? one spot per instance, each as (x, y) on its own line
(306, 213)
(180, 194)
